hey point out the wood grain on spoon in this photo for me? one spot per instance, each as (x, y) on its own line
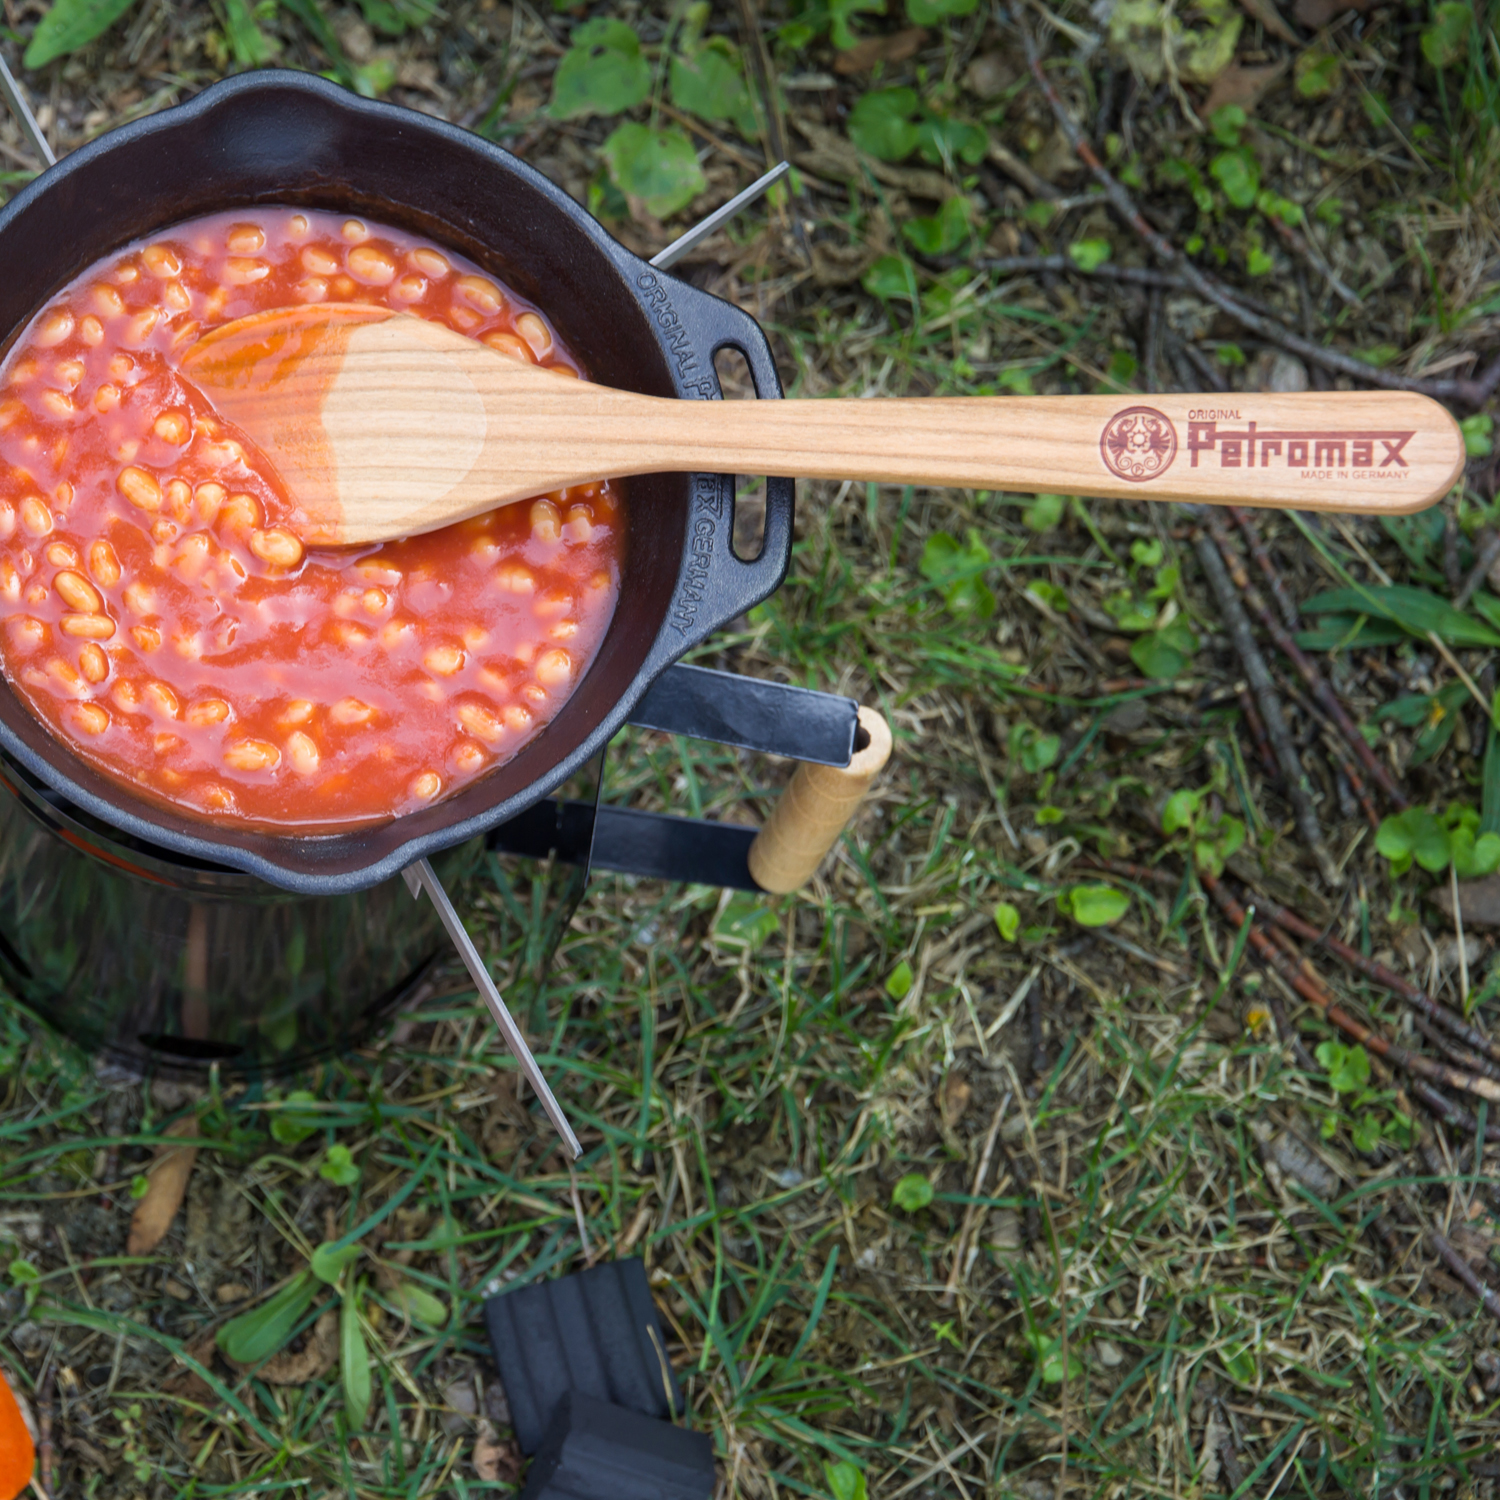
(384, 425)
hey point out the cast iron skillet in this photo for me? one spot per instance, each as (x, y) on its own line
(280, 137)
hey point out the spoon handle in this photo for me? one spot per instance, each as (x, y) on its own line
(1373, 451)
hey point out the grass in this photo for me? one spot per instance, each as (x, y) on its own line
(1150, 1300)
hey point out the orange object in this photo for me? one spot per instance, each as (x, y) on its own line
(159, 610)
(17, 1452)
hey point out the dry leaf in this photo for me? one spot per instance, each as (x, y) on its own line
(1243, 86)
(169, 1180)
(955, 1099)
(1316, 14)
(188, 1383)
(1266, 13)
(495, 1461)
(896, 47)
(317, 1357)
(1478, 900)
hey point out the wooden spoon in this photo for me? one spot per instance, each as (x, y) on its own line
(384, 425)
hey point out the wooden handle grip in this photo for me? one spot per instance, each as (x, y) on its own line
(814, 810)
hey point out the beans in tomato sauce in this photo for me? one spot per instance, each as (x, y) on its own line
(160, 616)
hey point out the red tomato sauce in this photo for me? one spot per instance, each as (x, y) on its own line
(162, 619)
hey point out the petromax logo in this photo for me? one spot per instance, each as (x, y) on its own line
(1138, 444)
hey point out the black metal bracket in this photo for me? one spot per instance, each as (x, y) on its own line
(706, 705)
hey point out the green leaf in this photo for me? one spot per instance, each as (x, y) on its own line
(1180, 810)
(1474, 856)
(354, 1362)
(330, 1259)
(1164, 654)
(291, 1125)
(746, 922)
(1445, 41)
(659, 167)
(842, 12)
(69, 25)
(1415, 610)
(710, 82)
(957, 572)
(883, 123)
(1048, 1355)
(912, 1192)
(339, 1167)
(1239, 1363)
(1007, 920)
(945, 142)
(1053, 595)
(602, 73)
(845, 1482)
(248, 44)
(420, 1305)
(1348, 1067)
(374, 78)
(140, 1185)
(1317, 73)
(1032, 749)
(1366, 1132)
(257, 1335)
(1238, 173)
(1226, 122)
(1478, 431)
(943, 231)
(889, 277)
(1089, 255)
(1259, 261)
(898, 984)
(23, 1273)
(1414, 835)
(1093, 905)
(930, 13)
(1044, 512)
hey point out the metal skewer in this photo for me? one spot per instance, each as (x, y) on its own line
(722, 215)
(24, 117)
(420, 877)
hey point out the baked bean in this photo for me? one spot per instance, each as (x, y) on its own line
(510, 346)
(106, 398)
(140, 488)
(77, 592)
(535, 332)
(104, 564)
(319, 261)
(534, 693)
(146, 637)
(465, 319)
(108, 302)
(482, 722)
(563, 630)
(27, 633)
(209, 499)
(91, 331)
(89, 717)
(162, 261)
(193, 555)
(35, 516)
(298, 226)
(240, 271)
(207, 712)
(430, 262)
(93, 663)
(302, 752)
(343, 287)
(70, 372)
(164, 743)
(426, 786)
(409, 289)
(162, 699)
(546, 521)
(177, 494)
(62, 555)
(177, 297)
(553, 668)
(298, 711)
(127, 273)
(311, 289)
(480, 293)
(139, 327)
(351, 635)
(580, 524)
(351, 711)
(139, 598)
(445, 660)
(355, 231)
(475, 638)
(276, 546)
(125, 695)
(467, 756)
(246, 239)
(58, 404)
(172, 427)
(516, 718)
(55, 328)
(240, 513)
(92, 627)
(251, 755)
(371, 265)
(551, 603)
(36, 594)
